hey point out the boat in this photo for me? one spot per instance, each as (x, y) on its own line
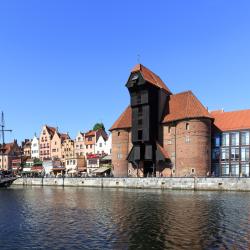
(6, 178)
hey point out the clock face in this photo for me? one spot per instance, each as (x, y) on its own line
(134, 77)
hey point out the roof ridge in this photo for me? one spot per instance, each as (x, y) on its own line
(122, 115)
(233, 111)
(187, 104)
(183, 92)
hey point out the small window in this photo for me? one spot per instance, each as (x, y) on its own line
(139, 111)
(187, 139)
(192, 170)
(139, 134)
(169, 129)
(187, 126)
(118, 133)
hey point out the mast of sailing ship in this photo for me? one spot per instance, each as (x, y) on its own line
(3, 130)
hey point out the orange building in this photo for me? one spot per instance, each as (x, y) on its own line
(56, 144)
(45, 138)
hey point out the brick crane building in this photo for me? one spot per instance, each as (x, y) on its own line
(166, 134)
(160, 133)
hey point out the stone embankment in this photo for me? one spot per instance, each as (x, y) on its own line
(216, 184)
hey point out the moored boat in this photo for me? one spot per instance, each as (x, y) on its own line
(6, 178)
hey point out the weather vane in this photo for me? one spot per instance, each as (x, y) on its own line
(138, 58)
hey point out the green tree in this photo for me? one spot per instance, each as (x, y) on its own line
(98, 126)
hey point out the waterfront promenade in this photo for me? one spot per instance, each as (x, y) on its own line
(190, 183)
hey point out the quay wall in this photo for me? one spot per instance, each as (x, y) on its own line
(209, 184)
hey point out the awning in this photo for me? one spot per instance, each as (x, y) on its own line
(26, 170)
(37, 169)
(101, 170)
(58, 169)
(73, 171)
(106, 158)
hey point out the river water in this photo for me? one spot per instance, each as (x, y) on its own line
(93, 218)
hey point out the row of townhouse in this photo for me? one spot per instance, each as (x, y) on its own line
(73, 154)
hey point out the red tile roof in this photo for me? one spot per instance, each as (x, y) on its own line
(163, 151)
(234, 120)
(124, 121)
(90, 133)
(150, 77)
(51, 130)
(185, 105)
(8, 147)
(181, 106)
(63, 136)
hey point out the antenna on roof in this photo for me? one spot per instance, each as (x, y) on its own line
(139, 58)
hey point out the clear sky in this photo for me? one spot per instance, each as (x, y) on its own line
(65, 63)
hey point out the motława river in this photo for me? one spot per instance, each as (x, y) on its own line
(93, 218)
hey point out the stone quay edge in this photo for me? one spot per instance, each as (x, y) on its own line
(189, 183)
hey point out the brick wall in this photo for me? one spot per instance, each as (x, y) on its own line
(120, 149)
(189, 146)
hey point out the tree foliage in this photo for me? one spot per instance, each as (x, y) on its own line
(98, 126)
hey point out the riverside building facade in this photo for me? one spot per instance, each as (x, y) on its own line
(231, 143)
(166, 134)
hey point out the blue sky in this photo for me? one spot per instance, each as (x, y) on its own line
(65, 63)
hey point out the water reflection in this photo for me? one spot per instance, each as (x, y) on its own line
(92, 218)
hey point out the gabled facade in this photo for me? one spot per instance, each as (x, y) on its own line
(45, 138)
(10, 151)
(26, 148)
(56, 144)
(91, 139)
(80, 145)
(67, 150)
(35, 147)
(103, 145)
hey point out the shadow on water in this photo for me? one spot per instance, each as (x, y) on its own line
(92, 218)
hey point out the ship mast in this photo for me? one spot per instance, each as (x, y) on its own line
(3, 130)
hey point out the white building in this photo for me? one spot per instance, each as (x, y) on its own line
(35, 147)
(75, 165)
(103, 145)
(108, 149)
